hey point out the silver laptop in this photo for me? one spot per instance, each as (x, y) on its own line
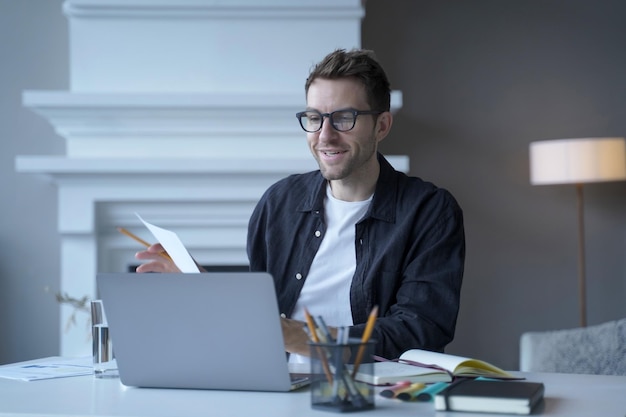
(200, 331)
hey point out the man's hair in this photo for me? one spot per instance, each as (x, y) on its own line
(360, 64)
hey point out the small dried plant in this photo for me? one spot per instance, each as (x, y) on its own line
(79, 305)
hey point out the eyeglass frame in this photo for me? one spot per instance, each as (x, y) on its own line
(355, 114)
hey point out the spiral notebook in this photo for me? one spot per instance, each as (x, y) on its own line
(199, 331)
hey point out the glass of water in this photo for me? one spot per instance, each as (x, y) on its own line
(104, 364)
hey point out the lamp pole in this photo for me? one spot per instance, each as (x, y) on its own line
(582, 289)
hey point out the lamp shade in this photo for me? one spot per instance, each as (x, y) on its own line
(576, 161)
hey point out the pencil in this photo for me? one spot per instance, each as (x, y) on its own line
(140, 240)
(367, 333)
(320, 350)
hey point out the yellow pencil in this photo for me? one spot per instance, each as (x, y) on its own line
(367, 333)
(311, 325)
(321, 353)
(140, 240)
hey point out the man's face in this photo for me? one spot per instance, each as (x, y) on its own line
(350, 155)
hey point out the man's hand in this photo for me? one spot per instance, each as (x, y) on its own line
(296, 339)
(158, 262)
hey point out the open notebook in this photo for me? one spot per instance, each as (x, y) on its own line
(202, 331)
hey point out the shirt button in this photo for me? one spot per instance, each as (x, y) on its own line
(318, 233)
(283, 315)
(298, 276)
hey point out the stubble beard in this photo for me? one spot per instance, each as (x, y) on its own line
(352, 165)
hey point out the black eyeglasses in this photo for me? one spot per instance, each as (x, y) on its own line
(342, 120)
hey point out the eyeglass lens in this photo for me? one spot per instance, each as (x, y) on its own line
(342, 120)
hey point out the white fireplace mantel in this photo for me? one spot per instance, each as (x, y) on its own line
(176, 125)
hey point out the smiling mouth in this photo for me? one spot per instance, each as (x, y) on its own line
(332, 153)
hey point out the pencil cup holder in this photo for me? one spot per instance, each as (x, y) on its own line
(104, 364)
(336, 370)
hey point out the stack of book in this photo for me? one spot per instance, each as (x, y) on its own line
(470, 384)
(417, 365)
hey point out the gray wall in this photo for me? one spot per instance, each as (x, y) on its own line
(481, 80)
(33, 55)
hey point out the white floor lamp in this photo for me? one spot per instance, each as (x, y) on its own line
(578, 161)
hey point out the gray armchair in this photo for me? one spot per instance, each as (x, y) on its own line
(598, 349)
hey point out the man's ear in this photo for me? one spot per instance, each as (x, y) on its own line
(383, 125)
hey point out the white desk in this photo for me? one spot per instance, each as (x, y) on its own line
(566, 395)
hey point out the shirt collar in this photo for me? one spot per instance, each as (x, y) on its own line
(383, 206)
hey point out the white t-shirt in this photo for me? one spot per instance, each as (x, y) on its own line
(326, 291)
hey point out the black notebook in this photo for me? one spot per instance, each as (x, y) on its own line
(513, 397)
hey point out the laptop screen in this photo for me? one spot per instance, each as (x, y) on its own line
(204, 331)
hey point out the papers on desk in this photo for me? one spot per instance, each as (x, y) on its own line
(48, 368)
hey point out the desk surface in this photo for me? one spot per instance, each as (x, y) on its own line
(566, 395)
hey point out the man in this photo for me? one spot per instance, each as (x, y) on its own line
(356, 234)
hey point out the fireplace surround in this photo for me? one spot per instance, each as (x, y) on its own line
(182, 111)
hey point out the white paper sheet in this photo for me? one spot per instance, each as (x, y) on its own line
(48, 368)
(174, 247)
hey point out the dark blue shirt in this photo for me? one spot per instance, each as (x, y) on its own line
(410, 252)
